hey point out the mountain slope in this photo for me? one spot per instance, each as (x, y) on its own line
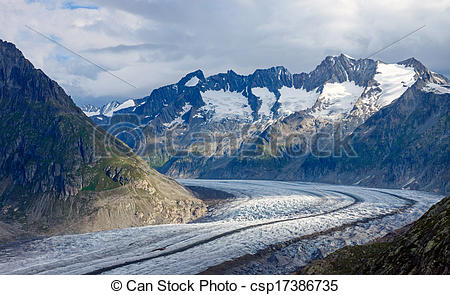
(423, 248)
(405, 145)
(60, 173)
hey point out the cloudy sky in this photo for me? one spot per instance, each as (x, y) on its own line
(150, 43)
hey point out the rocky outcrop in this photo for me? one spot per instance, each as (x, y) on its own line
(61, 173)
(422, 248)
(339, 68)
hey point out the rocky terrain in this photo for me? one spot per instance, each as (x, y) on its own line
(349, 121)
(421, 248)
(60, 173)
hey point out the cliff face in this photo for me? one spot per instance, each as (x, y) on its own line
(60, 173)
(423, 248)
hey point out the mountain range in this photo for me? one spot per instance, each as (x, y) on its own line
(349, 121)
(60, 173)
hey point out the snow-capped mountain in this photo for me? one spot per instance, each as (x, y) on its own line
(90, 110)
(263, 110)
(108, 109)
(340, 86)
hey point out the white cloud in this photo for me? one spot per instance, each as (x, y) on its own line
(151, 43)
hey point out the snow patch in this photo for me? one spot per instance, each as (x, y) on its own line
(90, 114)
(337, 99)
(436, 88)
(192, 82)
(293, 100)
(226, 105)
(348, 56)
(179, 119)
(268, 100)
(394, 79)
(127, 104)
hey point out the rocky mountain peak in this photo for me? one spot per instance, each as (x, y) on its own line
(24, 82)
(337, 69)
(423, 72)
(192, 79)
(414, 63)
(89, 108)
(232, 73)
(342, 58)
(273, 78)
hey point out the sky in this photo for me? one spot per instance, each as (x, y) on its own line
(151, 43)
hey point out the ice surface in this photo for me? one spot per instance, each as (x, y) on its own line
(226, 105)
(192, 82)
(294, 100)
(337, 99)
(436, 88)
(394, 79)
(268, 100)
(126, 104)
(263, 213)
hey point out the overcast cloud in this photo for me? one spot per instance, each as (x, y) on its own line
(150, 43)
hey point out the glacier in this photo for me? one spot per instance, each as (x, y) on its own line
(262, 213)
